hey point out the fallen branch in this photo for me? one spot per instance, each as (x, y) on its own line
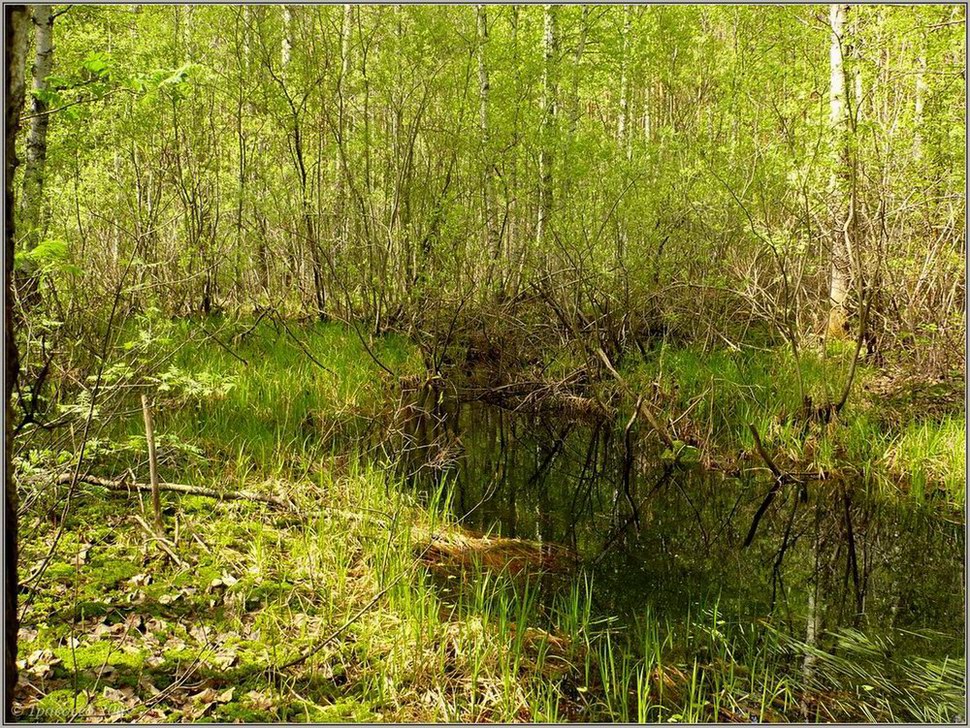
(123, 484)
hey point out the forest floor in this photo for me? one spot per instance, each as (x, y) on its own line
(359, 602)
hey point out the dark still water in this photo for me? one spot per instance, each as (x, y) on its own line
(651, 535)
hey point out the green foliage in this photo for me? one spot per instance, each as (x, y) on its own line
(47, 258)
(380, 172)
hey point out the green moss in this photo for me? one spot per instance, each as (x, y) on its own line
(201, 576)
(343, 711)
(237, 712)
(94, 656)
(59, 705)
(180, 656)
(60, 572)
(348, 711)
(107, 573)
(87, 609)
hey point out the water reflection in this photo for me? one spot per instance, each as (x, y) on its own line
(666, 537)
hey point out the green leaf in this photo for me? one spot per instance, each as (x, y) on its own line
(98, 64)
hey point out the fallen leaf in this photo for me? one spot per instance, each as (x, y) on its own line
(206, 696)
(147, 686)
(153, 715)
(225, 659)
(114, 694)
(258, 700)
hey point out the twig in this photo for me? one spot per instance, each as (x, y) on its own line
(223, 344)
(779, 475)
(159, 540)
(334, 635)
(126, 485)
(251, 329)
(363, 610)
(152, 464)
(641, 407)
(303, 346)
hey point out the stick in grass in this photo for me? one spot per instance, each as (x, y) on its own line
(152, 463)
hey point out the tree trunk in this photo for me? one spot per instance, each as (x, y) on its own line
(549, 93)
(622, 134)
(286, 46)
(575, 112)
(841, 175)
(919, 100)
(482, 23)
(339, 173)
(15, 21)
(622, 120)
(33, 217)
(493, 238)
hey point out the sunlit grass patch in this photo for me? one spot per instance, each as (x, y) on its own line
(711, 398)
(931, 456)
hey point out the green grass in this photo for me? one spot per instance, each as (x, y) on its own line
(268, 410)
(931, 454)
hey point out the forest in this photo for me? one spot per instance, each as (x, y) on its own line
(485, 363)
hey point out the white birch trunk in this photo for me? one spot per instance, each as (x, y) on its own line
(483, 87)
(36, 157)
(548, 106)
(839, 122)
(286, 51)
(621, 124)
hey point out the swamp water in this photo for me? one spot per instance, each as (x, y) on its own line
(874, 580)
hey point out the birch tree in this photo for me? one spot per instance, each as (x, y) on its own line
(548, 108)
(841, 175)
(621, 124)
(33, 217)
(15, 24)
(286, 46)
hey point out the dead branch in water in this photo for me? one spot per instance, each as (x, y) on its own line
(641, 407)
(781, 478)
(775, 470)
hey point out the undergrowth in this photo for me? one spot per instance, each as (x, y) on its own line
(119, 631)
(116, 628)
